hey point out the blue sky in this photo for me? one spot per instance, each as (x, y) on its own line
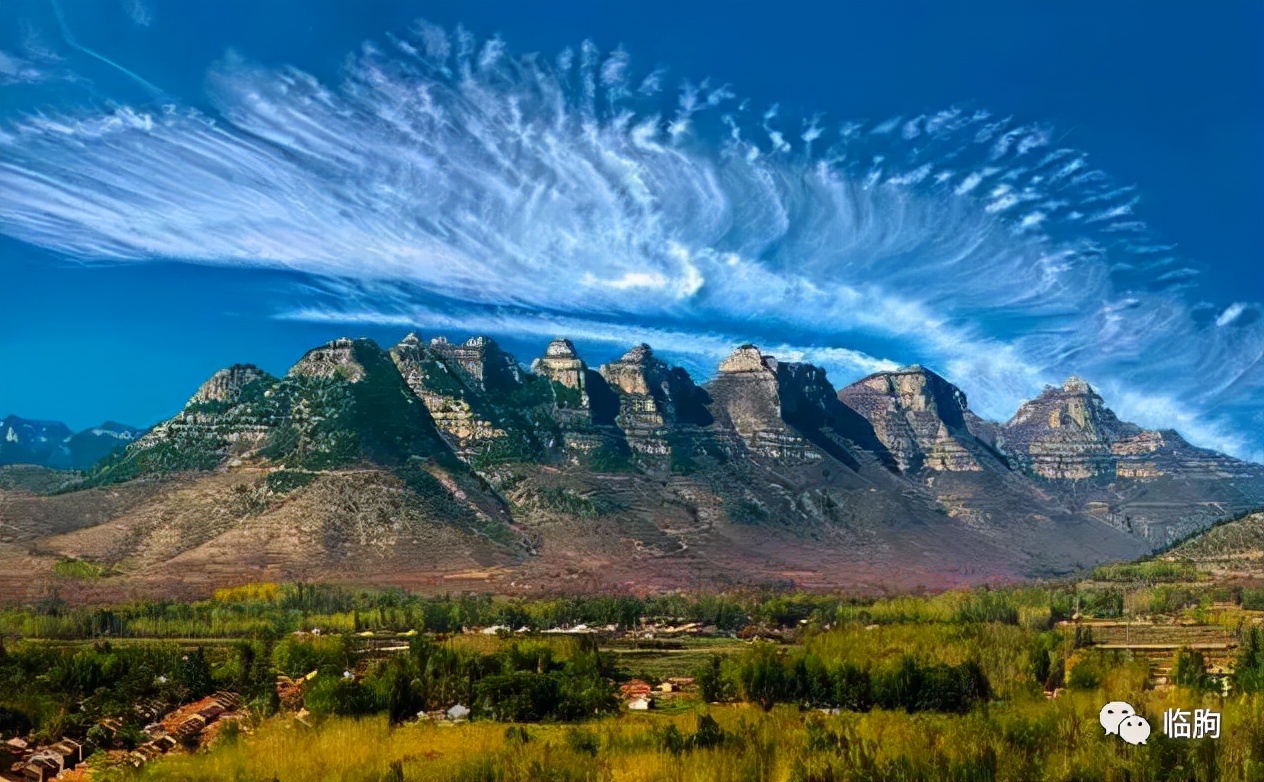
(1007, 192)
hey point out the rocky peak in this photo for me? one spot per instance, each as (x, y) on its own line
(746, 358)
(636, 372)
(481, 361)
(226, 384)
(653, 394)
(1075, 406)
(1070, 433)
(915, 389)
(561, 364)
(639, 354)
(333, 360)
(1076, 385)
(561, 348)
(919, 416)
(448, 379)
(747, 396)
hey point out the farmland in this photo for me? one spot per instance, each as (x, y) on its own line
(322, 683)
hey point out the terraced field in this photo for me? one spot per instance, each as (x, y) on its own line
(1158, 643)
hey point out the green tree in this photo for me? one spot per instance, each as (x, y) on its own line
(709, 734)
(1248, 669)
(762, 676)
(395, 691)
(193, 675)
(712, 683)
(1190, 670)
(853, 688)
(330, 694)
(521, 696)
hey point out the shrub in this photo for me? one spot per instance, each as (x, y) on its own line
(1084, 675)
(762, 676)
(583, 742)
(1190, 670)
(1248, 669)
(520, 696)
(712, 683)
(669, 738)
(709, 734)
(329, 695)
(853, 688)
(988, 606)
(516, 734)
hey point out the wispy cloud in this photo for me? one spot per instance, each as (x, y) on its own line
(575, 196)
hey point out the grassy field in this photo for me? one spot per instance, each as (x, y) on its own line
(1017, 740)
(967, 685)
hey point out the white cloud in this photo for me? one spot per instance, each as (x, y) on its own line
(1231, 313)
(515, 187)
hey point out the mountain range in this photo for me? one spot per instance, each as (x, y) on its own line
(53, 444)
(444, 466)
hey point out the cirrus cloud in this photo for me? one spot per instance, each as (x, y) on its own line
(445, 174)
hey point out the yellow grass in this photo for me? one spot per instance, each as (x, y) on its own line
(1026, 740)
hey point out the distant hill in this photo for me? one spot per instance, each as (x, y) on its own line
(1235, 548)
(52, 444)
(441, 465)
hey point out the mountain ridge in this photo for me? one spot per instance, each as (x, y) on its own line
(53, 444)
(631, 473)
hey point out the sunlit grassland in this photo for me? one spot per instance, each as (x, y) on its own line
(1018, 740)
(1020, 735)
(902, 671)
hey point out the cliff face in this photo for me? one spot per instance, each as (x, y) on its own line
(561, 364)
(226, 385)
(920, 418)
(653, 400)
(747, 400)
(447, 380)
(888, 468)
(336, 360)
(1069, 433)
(229, 415)
(481, 362)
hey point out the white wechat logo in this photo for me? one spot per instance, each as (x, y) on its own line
(1134, 730)
(1114, 713)
(1121, 719)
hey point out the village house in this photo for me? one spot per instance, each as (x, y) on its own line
(636, 688)
(42, 766)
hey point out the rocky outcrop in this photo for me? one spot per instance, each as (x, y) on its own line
(229, 414)
(653, 398)
(480, 361)
(561, 364)
(747, 400)
(334, 360)
(1068, 433)
(584, 406)
(569, 375)
(225, 386)
(920, 418)
(446, 379)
